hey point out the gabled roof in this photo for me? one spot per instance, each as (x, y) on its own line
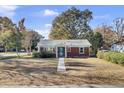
(68, 43)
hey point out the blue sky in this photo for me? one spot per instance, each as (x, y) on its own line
(40, 17)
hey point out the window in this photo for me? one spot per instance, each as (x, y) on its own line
(50, 49)
(69, 49)
(81, 50)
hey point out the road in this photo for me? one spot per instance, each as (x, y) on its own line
(4, 55)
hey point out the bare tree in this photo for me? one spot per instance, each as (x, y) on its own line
(109, 36)
(119, 28)
(21, 25)
(27, 41)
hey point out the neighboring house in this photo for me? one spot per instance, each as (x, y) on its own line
(66, 48)
(118, 47)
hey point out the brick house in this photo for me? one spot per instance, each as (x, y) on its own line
(66, 48)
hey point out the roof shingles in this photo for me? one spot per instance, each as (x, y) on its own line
(68, 43)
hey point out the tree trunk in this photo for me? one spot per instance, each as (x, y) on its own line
(17, 52)
(26, 50)
(30, 51)
(5, 50)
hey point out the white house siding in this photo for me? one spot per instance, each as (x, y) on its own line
(118, 48)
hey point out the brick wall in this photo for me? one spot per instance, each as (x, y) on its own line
(75, 52)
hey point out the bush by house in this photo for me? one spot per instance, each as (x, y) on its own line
(114, 57)
(43, 54)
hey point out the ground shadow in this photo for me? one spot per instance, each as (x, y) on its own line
(79, 64)
(67, 69)
(29, 70)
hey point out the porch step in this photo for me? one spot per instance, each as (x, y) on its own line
(61, 65)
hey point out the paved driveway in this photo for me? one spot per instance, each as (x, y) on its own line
(4, 55)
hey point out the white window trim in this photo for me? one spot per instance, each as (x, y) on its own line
(81, 52)
(51, 49)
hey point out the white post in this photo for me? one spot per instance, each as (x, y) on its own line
(65, 51)
(56, 52)
(38, 49)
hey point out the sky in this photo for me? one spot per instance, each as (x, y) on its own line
(39, 17)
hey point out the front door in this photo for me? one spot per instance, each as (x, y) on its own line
(61, 51)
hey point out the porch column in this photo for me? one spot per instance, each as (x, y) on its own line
(38, 49)
(65, 51)
(89, 50)
(56, 52)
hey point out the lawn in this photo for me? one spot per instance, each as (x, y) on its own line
(43, 72)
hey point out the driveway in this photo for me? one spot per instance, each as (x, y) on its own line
(10, 54)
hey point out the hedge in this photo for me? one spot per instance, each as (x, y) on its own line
(44, 54)
(114, 57)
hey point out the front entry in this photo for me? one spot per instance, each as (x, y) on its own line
(61, 51)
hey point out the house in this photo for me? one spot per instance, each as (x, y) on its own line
(118, 47)
(66, 48)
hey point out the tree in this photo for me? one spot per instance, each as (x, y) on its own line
(96, 40)
(35, 39)
(71, 24)
(6, 33)
(118, 27)
(10, 33)
(108, 35)
(27, 41)
(21, 26)
(7, 40)
(5, 23)
(30, 40)
(17, 37)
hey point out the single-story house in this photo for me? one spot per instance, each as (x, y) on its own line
(118, 47)
(66, 48)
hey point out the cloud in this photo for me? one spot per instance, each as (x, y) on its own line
(48, 12)
(44, 32)
(106, 16)
(48, 25)
(8, 10)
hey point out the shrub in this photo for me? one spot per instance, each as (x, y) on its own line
(47, 54)
(44, 54)
(114, 57)
(99, 54)
(36, 54)
(120, 59)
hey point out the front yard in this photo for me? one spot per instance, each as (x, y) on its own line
(43, 72)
